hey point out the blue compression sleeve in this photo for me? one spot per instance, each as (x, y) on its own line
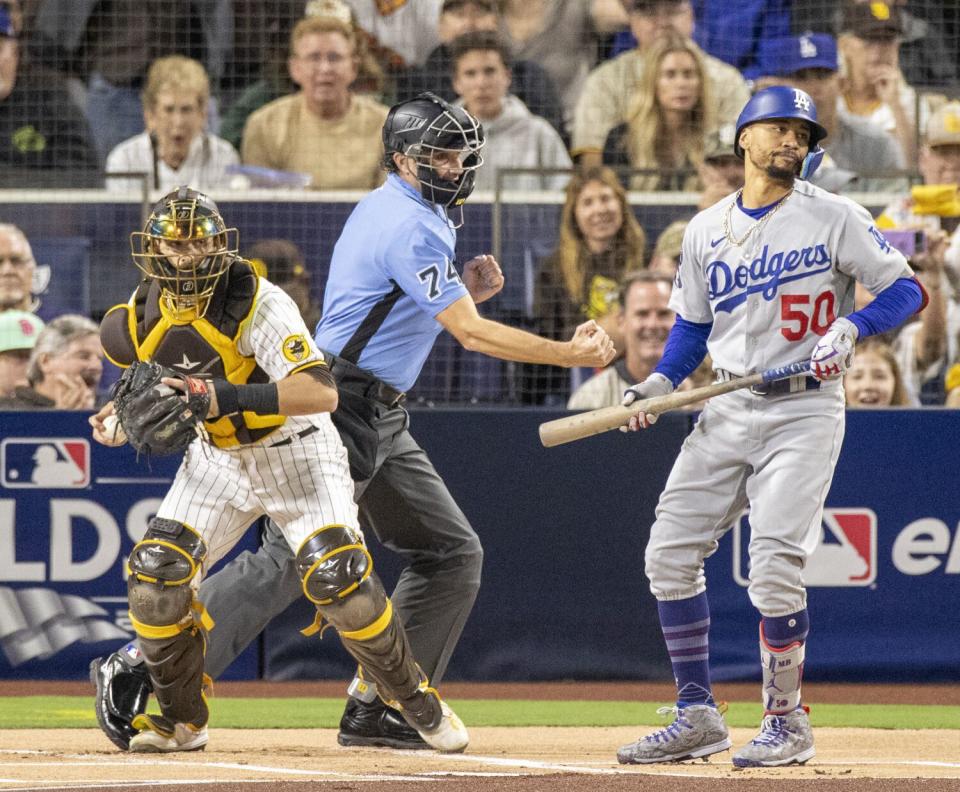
(685, 349)
(891, 308)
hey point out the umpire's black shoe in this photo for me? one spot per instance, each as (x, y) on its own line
(377, 725)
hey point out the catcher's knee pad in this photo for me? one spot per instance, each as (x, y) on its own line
(782, 674)
(159, 570)
(333, 563)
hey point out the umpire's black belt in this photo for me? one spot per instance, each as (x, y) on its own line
(797, 384)
(357, 379)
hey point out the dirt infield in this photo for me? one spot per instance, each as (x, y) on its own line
(502, 759)
(528, 759)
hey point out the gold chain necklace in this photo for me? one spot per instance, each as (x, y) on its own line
(757, 226)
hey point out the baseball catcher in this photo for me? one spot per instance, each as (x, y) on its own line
(258, 440)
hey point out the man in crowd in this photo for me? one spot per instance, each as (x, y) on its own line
(874, 88)
(515, 137)
(18, 335)
(64, 369)
(721, 171)
(857, 148)
(44, 140)
(530, 82)
(644, 320)
(17, 268)
(325, 129)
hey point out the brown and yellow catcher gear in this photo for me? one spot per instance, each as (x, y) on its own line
(185, 246)
(338, 577)
(146, 329)
(168, 619)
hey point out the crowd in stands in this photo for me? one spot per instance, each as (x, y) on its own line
(589, 98)
(300, 87)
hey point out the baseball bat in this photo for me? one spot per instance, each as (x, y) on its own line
(587, 424)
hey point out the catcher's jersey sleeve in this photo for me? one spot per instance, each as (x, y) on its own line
(276, 335)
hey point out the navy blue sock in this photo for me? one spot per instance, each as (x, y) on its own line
(780, 631)
(686, 627)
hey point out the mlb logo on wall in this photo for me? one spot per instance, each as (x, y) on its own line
(846, 554)
(45, 462)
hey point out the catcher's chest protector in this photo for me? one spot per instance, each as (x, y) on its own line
(205, 347)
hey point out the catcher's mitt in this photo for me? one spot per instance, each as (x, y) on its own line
(156, 418)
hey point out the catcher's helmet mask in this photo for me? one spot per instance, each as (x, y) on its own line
(781, 102)
(425, 125)
(191, 221)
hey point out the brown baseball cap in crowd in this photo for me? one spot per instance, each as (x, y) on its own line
(718, 144)
(875, 20)
(19, 330)
(490, 6)
(943, 128)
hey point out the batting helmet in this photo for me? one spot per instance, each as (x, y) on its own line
(426, 124)
(782, 101)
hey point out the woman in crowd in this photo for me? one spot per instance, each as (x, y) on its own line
(600, 240)
(874, 379)
(665, 130)
(175, 149)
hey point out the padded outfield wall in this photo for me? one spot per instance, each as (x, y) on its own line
(564, 595)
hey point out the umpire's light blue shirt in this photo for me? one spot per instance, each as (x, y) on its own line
(392, 238)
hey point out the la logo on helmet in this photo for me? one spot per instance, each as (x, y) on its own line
(801, 101)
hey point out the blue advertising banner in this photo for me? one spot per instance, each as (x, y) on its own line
(884, 583)
(70, 512)
(564, 594)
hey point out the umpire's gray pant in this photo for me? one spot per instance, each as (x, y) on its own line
(410, 510)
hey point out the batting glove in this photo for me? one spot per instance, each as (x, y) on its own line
(654, 385)
(833, 353)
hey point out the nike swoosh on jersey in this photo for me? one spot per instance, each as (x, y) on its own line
(717, 242)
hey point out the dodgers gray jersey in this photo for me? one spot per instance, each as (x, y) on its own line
(771, 297)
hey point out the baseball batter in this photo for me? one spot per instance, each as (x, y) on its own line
(273, 450)
(766, 279)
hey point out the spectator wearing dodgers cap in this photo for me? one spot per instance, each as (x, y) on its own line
(859, 152)
(18, 335)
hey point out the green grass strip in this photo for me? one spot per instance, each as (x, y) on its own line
(73, 712)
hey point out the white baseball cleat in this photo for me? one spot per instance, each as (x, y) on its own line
(438, 724)
(156, 738)
(451, 735)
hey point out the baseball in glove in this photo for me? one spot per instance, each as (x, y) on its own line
(156, 418)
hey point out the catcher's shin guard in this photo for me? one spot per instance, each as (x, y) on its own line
(338, 578)
(162, 608)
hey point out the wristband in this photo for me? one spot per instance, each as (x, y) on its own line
(262, 399)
